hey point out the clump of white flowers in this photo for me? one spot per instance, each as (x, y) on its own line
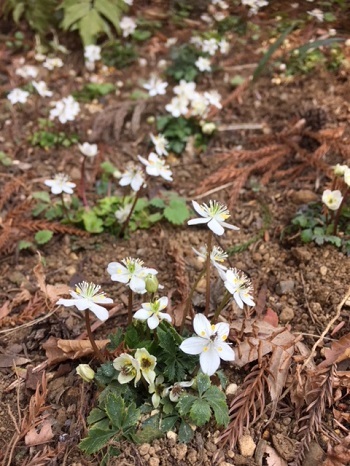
(254, 5)
(65, 110)
(18, 96)
(92, 54)
(127, 25)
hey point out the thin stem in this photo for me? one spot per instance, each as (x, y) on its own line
(337, 215)
(130, 300)
(65, 208)
(91, 338)
(207, 274)
(189, 300)
(83, 183)
(127, 221)
(225, 300)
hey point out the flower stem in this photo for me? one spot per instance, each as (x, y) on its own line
(127, 221)
(189, 300)
(207, 274)
(83, 183)
(225, 300)
(91, 338)
(130, 299)
(337, 215)
(65, 208)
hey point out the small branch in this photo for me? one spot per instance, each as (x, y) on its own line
(65, 208)
(91, 338)
(189, 300)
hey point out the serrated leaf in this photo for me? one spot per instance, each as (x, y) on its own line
(110, 10)
(131, 337)
(203, 383)
(24, 245)
(185, 403)
(43, 236)
(177, 212)
(115, 339)
(92, 223)
(42, 196)
(168, 423)
(217, 401)
(157, 202)
(147, 435)
(131, 417)
(306, 236)
(115, 410)
(90, 26)
(185, 433)
(96, 414)
(166, 341)
(200, 412)
(74, 13)
(96, 439)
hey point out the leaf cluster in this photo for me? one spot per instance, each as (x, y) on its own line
(177, 131)
(47, 138)
(93, 91)
(183, 63)
(118, 54)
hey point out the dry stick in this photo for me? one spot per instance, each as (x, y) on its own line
(326, 330)
(91, 338)
(207, 274)
(189, 300)
(225, 300)
(130, 296)
(65, 209)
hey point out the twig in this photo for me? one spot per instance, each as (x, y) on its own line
(240, 126)
(214, 190)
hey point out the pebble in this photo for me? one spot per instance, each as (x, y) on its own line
(154, 462)
(304, 196)
(323, 270)
(210, 446)
(231, 389)
(302, 254)
(285, 286)
(144, 449)
(246, 446)
(181, 451)
(225, 463)
(287, 314)
(171, 435)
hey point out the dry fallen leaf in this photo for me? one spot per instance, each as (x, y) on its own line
(35, 437)
(273, 459)
(60, 350)
(52, 292)
(10, 360)
(338, 351)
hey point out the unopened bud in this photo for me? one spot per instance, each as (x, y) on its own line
(85, 372)
(151, 283)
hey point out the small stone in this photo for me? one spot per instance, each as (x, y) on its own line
(323, 270)
(171, 435)
(144, 449)
(181, 451)
(246, 446)
(302, 254)
(154, 462)
(17, 278)
(225, 463)
(285, 286)
(231, 454)
(210, 446)
(287, 314)
(71, 270)
(192, 457)
(152, 451)
(231, 389)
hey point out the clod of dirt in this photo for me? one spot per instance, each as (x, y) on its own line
(246, 446)
(285, 286)
(287, 314)
(284, 446)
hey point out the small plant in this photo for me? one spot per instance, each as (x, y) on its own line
(17, 43)
(47, 138)
(177, 131)
(5, 160)
(93, 91)
(183, 63)
(118, 54)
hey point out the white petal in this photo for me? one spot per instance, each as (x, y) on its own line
(103, 300)
(199, 209)
(164, 316)
(153, 322)
(215, 227)
(142, 314)
(122, 378)
(163, 302)
(226, 353)
(228, 225)
(197, 221)
(202, 326)
(193, 345)
(82, 304)
(137, 285)
(222, 329)
(248, 300)
(238, 300)
(99, 311)
(229, 286)
(121, 278)
(186, 384)
(56, 189)
(66, 302)
(209, 361)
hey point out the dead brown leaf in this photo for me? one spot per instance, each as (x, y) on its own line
(339, 351)
(60, 350)
(10, 360)
(39, 435)
(51, 292)
(273, 459)
(338, 455)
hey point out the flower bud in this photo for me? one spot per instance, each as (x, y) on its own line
(151, 283)
(208, 128)
(85, 372)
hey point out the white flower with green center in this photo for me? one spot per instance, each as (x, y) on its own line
(89, 150)
(209, 344)
(176, 390)
(51, 63)
(157, 388)
(132, 272)
(127, 25)
(92, 53)
(160, 143)
(239, 285)
(85, 372)
(203, 64)
(133, 176)
(147, 364)
(88, 296)
(332, 199)
(213, 98)
(185, 89)
(178, 106)
(65, 110)
(128, 367)
(60, 184)
(152, 312)
(156, 166)
(214, 215)
(217, 256)
(210, 46)
(27, 71)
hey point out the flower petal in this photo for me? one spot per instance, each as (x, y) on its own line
(199, 209)
(193, 345)
(142, 314)
(238, 300)
(164, 316)
(137, 285)
(222, 329)
(66, 302)
(215, 227)
(202, 326)
(82, 304)
(163, 302)
(228, 225)
(99, 311)
(209, 361)
(153, 322)
(226, 353)
(197, 221)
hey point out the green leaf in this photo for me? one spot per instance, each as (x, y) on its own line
(43, 236)
(185, 432)
(42, 196)
(24, 245)
(110, 10)
(177, 212)
(96, 439)
(147, 435)
(96, 414)
(185, 403)
(168, 423)
(115, 339)
(90, 26)
(200, 412)
(74, 13)
(217, 400)
(92, 223)
(141, 35)
(157, 202)
(108, 168)
(132, 416)
(203, 383)
(237, 80)
(115, 410)
(18, 11)
(306, 236)
(131, 337)
(315, 45)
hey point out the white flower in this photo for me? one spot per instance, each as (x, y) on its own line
(210, 344)
(217, 256)
(123, 213)
(87, 296)
(208, 127)
(51, 63)
(17, 96)
(317, 13)
(41, 89)
(175, 390)
(65, 110)
(157, 388)
(127, 25)
(332, 199)
(224, 46)
(85, 372)
(129, 2)
(155, 86)
(239, 285)
(347, 176)
(147, 364)
(339, 170)
(27, 71)
(185, 89)
(214, 215)
(178, 106)
(60, 184)
(219, 16)
(131, 272)
(210, 46)
(199, 105)
(133, 176)
(213, 98)
(128, 367)
(92, 53)
(89, 150)
(254, 5)
(156, 166)
(152, 312)
(160, 143)
(196, 41)
(203, 64)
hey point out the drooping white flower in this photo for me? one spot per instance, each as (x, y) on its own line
(239, 285)
(209, 344)
(89, 150)
(210, 46)
(178, 106)
(332, 199)
(133, 176)
(339, 169)
(128, 367)
(213, 98)
(127, 25)
(17, 96)
(85, 372)
(203, 64)
(132, 272)
(41, 89)
(27, 71)
(92, 53)
(316, 13)
(151, 312)
(156, 166)
(214, 215)
(51, 63)
(155, 86)
(147, 364)
(174, 391)
(123, 213)
(217, 256)
(65, 110)
(88, 296)
(60, 184)
(208, 127)
(160, 143)
(157, 388)
(185, 89)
